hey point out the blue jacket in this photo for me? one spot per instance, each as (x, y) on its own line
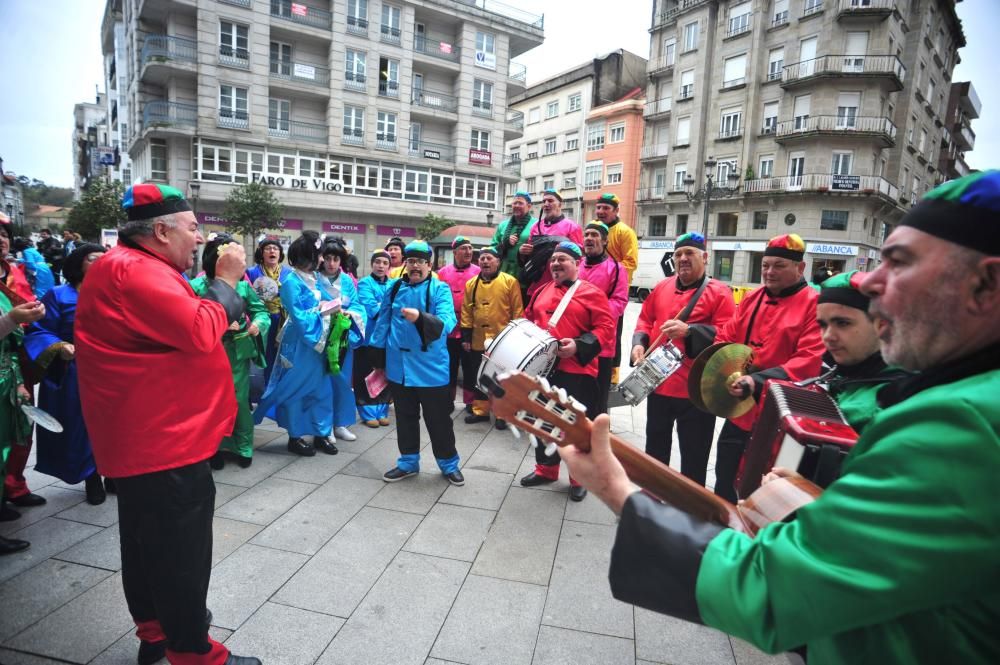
(371, 293)
(416, 353)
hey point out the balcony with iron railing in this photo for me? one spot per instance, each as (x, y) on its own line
(355, 81)
(433, 151)
(654, 152)
(238, 3)
(351, 136)
(161, 114)
(300, 72)
(292, 130)
(517, 74)
(482, 108)
(234, 119)
(739, 25)
(390, 34)
(886, 67)
(387, 142)
(859, 9)
(511, 166)
(965, 137)
(506, 11)
(234, 57)
(515, 121)
(863, 185)
(388, 89)
(879, 128)
(779, 19)
(437, 101)
(165, 48)
(661, 65)
(669, 16)
(650, 194)
(437, 46)
(357, 25)
(657, 108)
(302, 14)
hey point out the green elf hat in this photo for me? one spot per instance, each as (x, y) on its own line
(843, 289)
(788, 246)
(610, 199)
(965, 211)
(600, 227)
(418, 249)
(521, 194)
(146, 201)
(695, 240)
(459, 241)
(567, 247)
(489, 250)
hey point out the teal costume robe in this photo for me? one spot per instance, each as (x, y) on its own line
(242, 348)
(896, 562)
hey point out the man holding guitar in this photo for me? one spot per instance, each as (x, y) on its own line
(896, 562)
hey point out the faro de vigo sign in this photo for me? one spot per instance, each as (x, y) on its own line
(307, 184)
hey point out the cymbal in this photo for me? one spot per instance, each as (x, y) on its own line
(713, 371)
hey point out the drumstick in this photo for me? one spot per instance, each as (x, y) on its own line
(658, 340)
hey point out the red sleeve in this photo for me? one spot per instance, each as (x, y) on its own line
(724, 310)
(806, 361)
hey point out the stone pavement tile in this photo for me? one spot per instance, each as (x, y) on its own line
(311, 523)
(57, 498)
(44, 588)
(229, 535)
(579, 595)
(454, 532)
(559, 646)
(266, 501)
(367, 437)
(105, 514)
(262, 437)
(492, 621)
(591, 510)
(438, 661)
(264, 465)
(316, 470)
(37, 480)
(47, 538)
(8, 657)
(245, 580)
(413, 495)
(337, 578)
(401, 616)
(664, 639)
(748, 654)
(378, 459)
(225, 493)
(102, 550)
(466, 444)
(283, 635)
(522, 543)
(82, 628)
(482, 489)
(123, 652)
(499, 452)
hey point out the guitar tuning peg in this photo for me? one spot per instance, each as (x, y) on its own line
(563, 396)
(578, 405)
(514, 431)
(546, 386)
(534, 440)
(550, 449)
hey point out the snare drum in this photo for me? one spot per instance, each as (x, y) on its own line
(650, 373)
(521, 345)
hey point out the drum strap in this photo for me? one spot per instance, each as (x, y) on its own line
(686, 312)
(563, 304)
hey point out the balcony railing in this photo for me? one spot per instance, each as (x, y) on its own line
(386, 142)
(966, 137)
(650, 193)
(357, 25)
(822, 182)
(812, 7)
(658, 106)
(846, 65)
(435, 151)
(238, 3)
(669, 16)
(355, 81)
(779, 19)
(390, 35)
(836, 124)
(300, 72)
(296, 131)
(434, 100)
(388, 89)
(512, 166)
(662, 64)
(234, 57)
(534, 20)
(163, 48)
(515, 120)
(482, 108)
(739, 25)
(655, 151)
(437, 47)
(296, 12)
(234, 119)
(353, 136)
(518, 72)
(866, 7)
(161, 113)
(687, 92)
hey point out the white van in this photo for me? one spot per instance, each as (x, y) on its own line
(655, 263)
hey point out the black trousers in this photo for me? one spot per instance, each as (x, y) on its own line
(437, 405)
(732, 443)
(454, 359)
(470, 369)
(695, 430)
(618, 342)
(580, 386)
(165, 522)
(604, 366)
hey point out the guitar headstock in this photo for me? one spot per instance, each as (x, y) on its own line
(545, 412)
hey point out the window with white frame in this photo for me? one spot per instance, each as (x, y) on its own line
(515, 154)
(482, 97)
(592, 173)
(158, 165)
(233, 107)
(904, 181)
(532, 150)
(780, 15)
(552, 109)
(800, 112)
(765, 166)
(922, 143)
(574, 103)
(282, 164)
(548, 181)
(391, 18)
(739, 18)
(385, 129)
(551, 146)
(690, 36)
(486, 44)
(480, 139)
(614, 174)
(355, 69)
(616, 133)
(734, 71)
(357, 15)
(388, 77)
(796, 168)
(687, 84)
(534, 115)
(841, 162)
(732, 122)
(680, 175)
(572, 141)
(354, 124)
(847, 109)
(811, 7)
(723, 169)
(669, 51)
(930, 90)
(529, 183)
(569, 179)
(416, 133)
(775, 61)
(281, 58)
(234, 44)
(834, 220)
(770, 118)
(683, 131)
(595, 136)
(279, 115)
(910, 129)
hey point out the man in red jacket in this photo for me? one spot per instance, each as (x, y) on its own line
(157, 396)
(777, 321)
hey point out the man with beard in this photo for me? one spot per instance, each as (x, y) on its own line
(610, 276)
(583, 329)
(513, 232)
(456, 276)
(666, 312)
(552, 223)
(492, 300)
(623, 246)
(910, 528)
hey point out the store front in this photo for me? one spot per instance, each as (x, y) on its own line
(830, 257)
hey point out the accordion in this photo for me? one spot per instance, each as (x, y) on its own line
(801, 429)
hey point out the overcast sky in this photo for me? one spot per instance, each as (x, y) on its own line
(52, 58)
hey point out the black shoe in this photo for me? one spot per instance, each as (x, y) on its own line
(324, 445)
(150, 652)
(455, 478)
(244, 462)
(10, 545)
(217, 461)
(395, 473)
(577, 492)
(473, 418)
(533, 479)
(28, 500)
(110, 487)
(501, 423)
(300, 447)
(8, 514)
(468, 408)
(242, 660)
(95, 489)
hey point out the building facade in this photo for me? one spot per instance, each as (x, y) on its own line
(819, 117)
(553, 150)
(362, 117)
(92, 150)
(958, 137)
(613, 147)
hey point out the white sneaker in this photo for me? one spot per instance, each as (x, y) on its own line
(344, 434)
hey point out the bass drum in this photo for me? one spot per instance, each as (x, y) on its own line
(521, 345)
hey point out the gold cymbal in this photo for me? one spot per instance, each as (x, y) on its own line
(713, 371)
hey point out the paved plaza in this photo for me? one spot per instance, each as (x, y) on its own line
(317, 560)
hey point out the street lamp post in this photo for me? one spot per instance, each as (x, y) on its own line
(710, 190)
(194, 189)
(489, 219)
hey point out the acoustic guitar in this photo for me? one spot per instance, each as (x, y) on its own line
(553, 418)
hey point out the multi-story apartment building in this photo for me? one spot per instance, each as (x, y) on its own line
(818, 117)
(113, 45)
(363, 117)
(553, 150)
(613, 148)
(958, 137)
(92, 149)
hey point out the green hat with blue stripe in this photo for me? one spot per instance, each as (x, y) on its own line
(965, 211)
